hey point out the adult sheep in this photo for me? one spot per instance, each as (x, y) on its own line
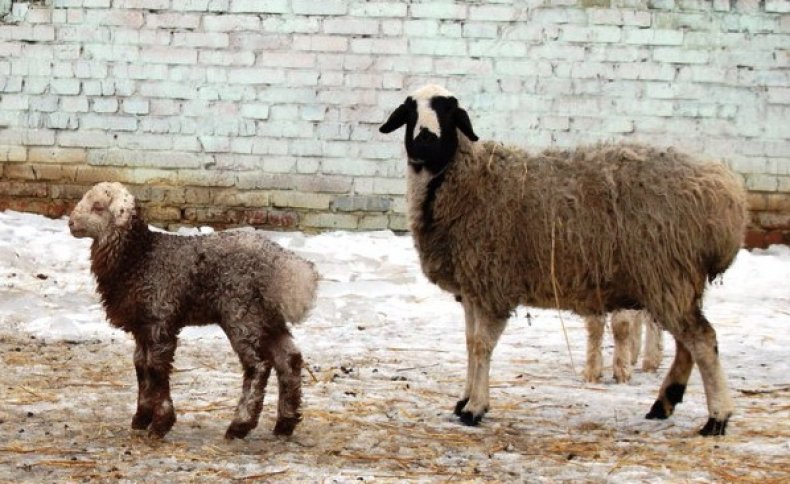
(153, 284)
(591, 230)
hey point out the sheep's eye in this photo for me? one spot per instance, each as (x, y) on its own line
(97, 207)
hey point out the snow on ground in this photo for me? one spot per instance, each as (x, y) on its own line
(387, 354)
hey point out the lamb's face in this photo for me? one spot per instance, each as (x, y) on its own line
(432, 118)
(103, 208)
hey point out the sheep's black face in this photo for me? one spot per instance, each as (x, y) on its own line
(432, 118)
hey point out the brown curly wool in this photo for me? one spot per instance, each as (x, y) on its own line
(153, 284)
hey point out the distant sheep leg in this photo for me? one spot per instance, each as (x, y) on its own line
(593, 369)
(654, 346)
(622, 330)
(674, 386)
(701, 340)
(287, 361)
(635, 335)
(488, 329)
(471, 363)
(156, 402)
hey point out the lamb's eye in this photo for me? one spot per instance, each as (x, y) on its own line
(97, 207)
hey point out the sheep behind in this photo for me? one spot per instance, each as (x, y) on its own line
(153, 284)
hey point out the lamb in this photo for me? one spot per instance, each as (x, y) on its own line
(627, 331)
(592, 230)
(153, 284)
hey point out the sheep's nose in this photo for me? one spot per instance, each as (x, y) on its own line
(425, 135)
(71, 224)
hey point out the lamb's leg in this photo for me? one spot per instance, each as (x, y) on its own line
(622, 332)
(248, 411)
(654, 346)
(471, 366)
(145, 410)
(487, 332)
(593, 369)
(701, 341)
(674, 386)
(160, 353)
(287, 361)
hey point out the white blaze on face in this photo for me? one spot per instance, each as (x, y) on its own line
(426, 116)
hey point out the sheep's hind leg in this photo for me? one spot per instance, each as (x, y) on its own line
(471, 364)
(593, 368)
(654, 346)
(287, 361)
(674, 386)
(248, 411)
(487, 332)
(701, 341)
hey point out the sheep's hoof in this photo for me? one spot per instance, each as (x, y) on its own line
(238, 430)
(459, 406)
(714, 427)
(658, 411)
(142, 420)
(592, 378)
(470, 419)
(286, 425)
(162, 425)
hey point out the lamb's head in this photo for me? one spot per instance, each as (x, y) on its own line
(432, 118)
(104, 209)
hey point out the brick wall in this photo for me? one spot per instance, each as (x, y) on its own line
(265, 112)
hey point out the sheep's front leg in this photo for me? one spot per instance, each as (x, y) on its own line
(471, 366)
(145, 410)
(593, 369)
(488, 329)
(287, 360)
(153, 363)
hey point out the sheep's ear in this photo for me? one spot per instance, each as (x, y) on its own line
(398, 118)
(122, 209)
(463, 123)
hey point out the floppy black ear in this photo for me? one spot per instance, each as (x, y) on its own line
(398, 118)
(463, 123)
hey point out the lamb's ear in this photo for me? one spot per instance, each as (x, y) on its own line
(463, 123)
(398, 118)
(122, 208)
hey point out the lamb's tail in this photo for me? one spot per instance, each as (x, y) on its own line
(295, 283)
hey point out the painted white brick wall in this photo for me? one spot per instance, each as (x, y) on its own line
(215, 90)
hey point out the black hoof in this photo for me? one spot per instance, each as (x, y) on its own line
(238, 430)
(141, 421)
(470, 419)
(714, 427)
(657, 411)
(459, 406)
(286, 425)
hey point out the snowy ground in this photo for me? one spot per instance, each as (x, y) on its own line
(388, 355)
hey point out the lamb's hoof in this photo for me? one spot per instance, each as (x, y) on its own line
(141, 421)
(459, 406)
(162, 425)
(657, 411)
(238, 430)
(714, 427)
(470, 419)
(622, 376)
(286, 425)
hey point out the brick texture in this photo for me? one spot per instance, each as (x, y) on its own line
(265, 112)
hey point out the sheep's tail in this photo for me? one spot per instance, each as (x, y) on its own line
(295, 281)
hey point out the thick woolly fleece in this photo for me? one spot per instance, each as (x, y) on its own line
(610, 226)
